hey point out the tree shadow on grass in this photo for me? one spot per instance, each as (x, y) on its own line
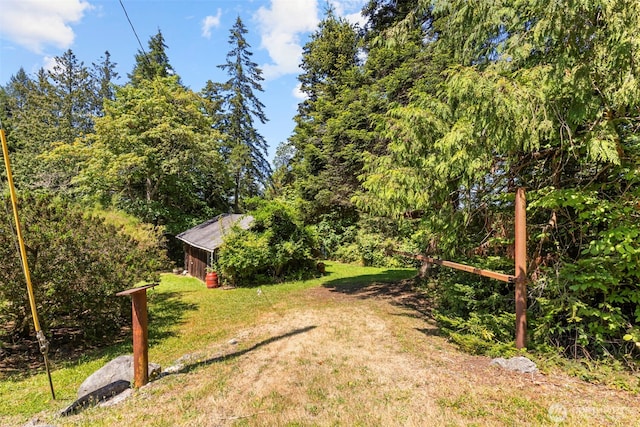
(222, 357)
(167, 310)
(356, 283)
(397, 286)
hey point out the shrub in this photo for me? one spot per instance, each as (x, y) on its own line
(586, 298)
(277, 246)
(368, 242)
(77, 262)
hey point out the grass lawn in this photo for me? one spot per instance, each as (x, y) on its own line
(184, 317)
(355, 347)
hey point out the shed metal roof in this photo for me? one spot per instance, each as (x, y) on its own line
(209, 235)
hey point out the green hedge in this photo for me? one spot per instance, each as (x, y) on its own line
(77, 262)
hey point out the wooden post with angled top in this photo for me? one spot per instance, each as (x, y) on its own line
(140, 333)
(521, 267)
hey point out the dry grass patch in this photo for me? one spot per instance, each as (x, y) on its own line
(353, 355)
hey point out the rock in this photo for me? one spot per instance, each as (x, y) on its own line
(112, 379)
(173, 369)
(117, 399)
(36, 423)
(232, 341)
(519, 364)
(99, 395)
(119, 369)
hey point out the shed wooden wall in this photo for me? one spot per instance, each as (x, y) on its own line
(195, 261)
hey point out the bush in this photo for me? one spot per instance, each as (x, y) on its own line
(474, 312)
(277, 247)
(586, 297)
(77, 263)
(369, 242)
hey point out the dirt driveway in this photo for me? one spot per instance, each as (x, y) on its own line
(367, 356)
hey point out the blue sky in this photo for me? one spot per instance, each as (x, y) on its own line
(33, 32)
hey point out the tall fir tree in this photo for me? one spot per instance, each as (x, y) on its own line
(32, 118)
(73, 95)
(329, 121)
(104, 75)
(247, 149)
(152, 64)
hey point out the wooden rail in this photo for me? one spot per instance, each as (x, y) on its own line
(464, 267)
(520, 278)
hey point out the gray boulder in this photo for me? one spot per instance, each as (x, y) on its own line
(107, 382)
(517, 364)
(119, 369)
(99, 395)
(116, 400)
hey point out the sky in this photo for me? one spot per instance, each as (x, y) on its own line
(34, 32)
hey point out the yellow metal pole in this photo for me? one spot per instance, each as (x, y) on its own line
(44, 345)
(16, 219)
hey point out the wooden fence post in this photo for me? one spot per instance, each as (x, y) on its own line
(140, 333)
(521, 267)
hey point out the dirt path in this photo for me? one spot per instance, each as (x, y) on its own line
(367, 357)
(356, 356)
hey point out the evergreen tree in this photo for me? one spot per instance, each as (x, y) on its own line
(214, 94)
(152, 64)
(329, 121)
(104, 74)
(246, 150)
(385, 14)
(15, 101)
(332, 51)
(73, 96)
(32, 118)
(56, 107)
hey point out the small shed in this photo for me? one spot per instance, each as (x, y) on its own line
(202, 241)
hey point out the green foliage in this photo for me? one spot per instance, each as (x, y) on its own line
(332, 126)
(369, 242)
(152, 64)
(73, 97)
(153, 154)
(589, 297)
(334, 233)
(245, 149)
(487, 333)
(77, 262)
(55, 106)
(277, 246)
(529, 94)
(476, 313)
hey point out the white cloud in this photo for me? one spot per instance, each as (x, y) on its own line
(298, 93)
(356, 19)
(210, 22)
(343, 7)
(283, 24)
(350, 10)
(36, 23)
(281, 27)
(48, 62)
